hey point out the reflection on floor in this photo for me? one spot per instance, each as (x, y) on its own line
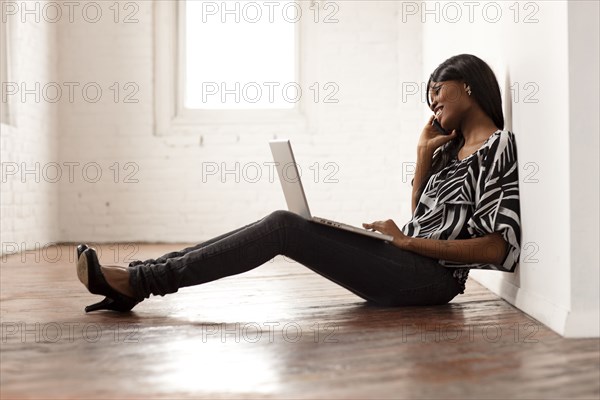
(277, 331)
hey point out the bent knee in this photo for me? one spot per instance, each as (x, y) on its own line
(283, 215)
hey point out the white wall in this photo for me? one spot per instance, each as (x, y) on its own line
(584, 86)
(369, 133)
(549, 145)
(29, 204)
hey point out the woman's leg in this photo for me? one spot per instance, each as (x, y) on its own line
(180, 253)
(370, 268)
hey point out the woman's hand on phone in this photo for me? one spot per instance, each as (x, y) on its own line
(431, 138)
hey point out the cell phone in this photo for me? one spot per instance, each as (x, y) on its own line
(439, 127)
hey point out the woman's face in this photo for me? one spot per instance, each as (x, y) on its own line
(450, 102)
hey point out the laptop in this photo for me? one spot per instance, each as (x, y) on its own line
(294, 193)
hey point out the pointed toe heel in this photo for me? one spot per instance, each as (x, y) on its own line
(80, 249)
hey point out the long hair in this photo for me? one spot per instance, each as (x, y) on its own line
(484, 90)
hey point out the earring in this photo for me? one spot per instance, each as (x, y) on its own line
(469, 91)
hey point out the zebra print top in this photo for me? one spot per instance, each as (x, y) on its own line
(473, 197)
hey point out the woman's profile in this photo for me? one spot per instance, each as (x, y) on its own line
(466, 214)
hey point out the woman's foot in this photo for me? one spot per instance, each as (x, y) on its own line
(118, 278)
(112, 282)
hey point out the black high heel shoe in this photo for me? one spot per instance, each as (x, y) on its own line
(90, 274)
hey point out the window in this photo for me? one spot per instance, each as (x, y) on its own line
(5, 109)
(227, 63)
(241, 63)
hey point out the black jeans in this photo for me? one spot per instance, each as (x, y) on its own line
(377, 271)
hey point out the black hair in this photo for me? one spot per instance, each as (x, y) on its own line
(484, 90)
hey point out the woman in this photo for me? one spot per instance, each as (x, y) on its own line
(466, 214)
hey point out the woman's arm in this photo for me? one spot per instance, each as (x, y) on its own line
(429, 141)
(487, 249)
(424, 156)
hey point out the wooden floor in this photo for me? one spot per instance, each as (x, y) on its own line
(279, 331)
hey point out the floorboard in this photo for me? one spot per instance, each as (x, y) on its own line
(278, 331)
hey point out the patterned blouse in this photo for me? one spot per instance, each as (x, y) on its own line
(471, 198)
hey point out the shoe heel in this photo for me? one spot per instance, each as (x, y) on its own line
(102, 305)
(124, 305)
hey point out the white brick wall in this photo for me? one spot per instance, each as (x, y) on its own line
(368, 134)
(29, 205)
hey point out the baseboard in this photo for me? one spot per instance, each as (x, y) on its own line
(552, 315)
(584, 324)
